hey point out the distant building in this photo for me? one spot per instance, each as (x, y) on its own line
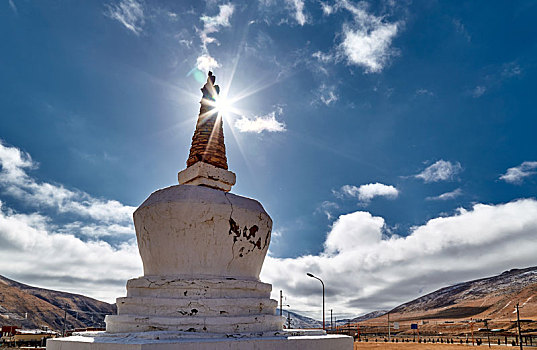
(12, 335)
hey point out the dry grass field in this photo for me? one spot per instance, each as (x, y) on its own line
(411, 346)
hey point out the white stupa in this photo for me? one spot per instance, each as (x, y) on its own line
(202, 250)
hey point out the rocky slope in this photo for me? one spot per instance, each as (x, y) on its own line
(32, 307)
(492, 297)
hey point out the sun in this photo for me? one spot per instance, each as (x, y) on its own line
(223, 105)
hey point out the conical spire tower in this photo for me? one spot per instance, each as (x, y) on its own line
(208, 140)
(207, 162)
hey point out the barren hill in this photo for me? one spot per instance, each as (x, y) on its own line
(492, 297)
(32, 307)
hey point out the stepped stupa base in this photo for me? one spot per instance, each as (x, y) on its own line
(195, 305)
(281, 340)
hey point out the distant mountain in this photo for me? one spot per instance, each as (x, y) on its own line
(492, 297)
(369, 316)
(299, 321)
(32, 307)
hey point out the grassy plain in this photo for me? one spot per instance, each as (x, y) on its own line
(411, 346)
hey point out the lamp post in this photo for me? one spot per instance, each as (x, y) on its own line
(320, 280)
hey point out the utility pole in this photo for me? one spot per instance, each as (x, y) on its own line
(281, 298)
(389, 333)
(389, 330)
(331, 324)
(335, 321)
(518, 324)
(488, 331)
(288, 320)
(64, 318)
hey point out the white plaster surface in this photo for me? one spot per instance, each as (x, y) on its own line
(204, 306)
(208, 175)
(198, 231)
(130, 342)
(180, 287)
(202, 251)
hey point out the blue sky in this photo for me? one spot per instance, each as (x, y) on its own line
(392, 142)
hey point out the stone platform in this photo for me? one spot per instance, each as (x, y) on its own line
(203, 306)
(283, 340)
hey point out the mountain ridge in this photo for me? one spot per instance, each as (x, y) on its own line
(488, 297)
(33, 307)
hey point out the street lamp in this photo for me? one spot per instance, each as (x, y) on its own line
(311, 275)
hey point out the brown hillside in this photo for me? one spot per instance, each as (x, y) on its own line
(31, 307)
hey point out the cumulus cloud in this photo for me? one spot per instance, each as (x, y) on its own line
(299, 13)
(440, 171)
(87, 246)
(205, 63)
(327, 8)
(446, 196)
(130, 13)
(366, 193)
(15, 181)
(61, 260)
(366, 269)
(259, 124)
(517, 174)
(367, 41)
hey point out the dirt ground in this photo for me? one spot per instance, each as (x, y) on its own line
(411, 346)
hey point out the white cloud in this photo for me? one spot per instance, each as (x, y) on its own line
(66, 250)
(365, 193)
(326, 94)
(15, 182)
(130, 13)
(424, 92)
(326, 208)
(446, 196)
(61, 261)
(214, 23)
(367, 41)
(327, 9)
(517, 174)
(440, 171)
(478, 91)
(259, 124)
(205, 63)
(365, 269)
(322, 57)
(211, 25)
(298, 8)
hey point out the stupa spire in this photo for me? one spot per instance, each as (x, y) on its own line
(207, 163)
(208, 140)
